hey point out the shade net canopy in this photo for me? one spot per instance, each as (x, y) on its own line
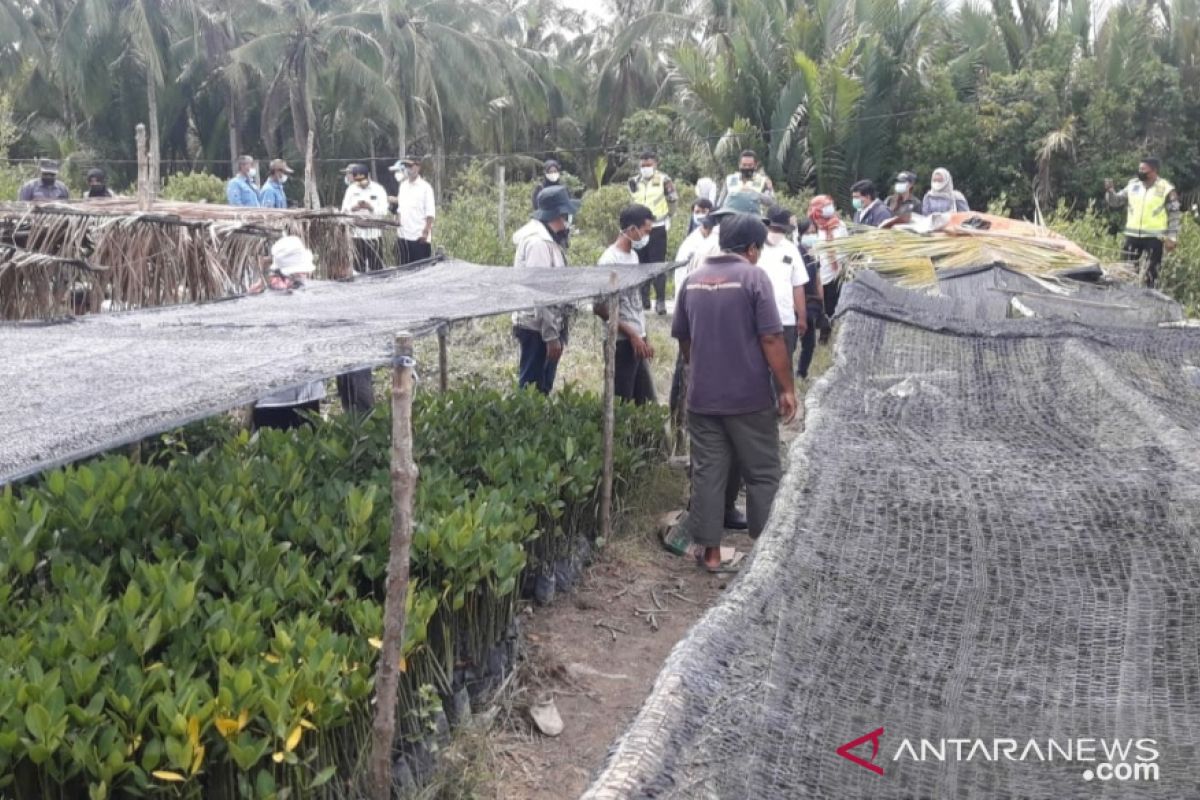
(76, 387)
(990, 529)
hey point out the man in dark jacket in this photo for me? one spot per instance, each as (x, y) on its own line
(47, 187)
(868, 208)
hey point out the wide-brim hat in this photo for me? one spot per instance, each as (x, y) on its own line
(741, 203)
(554, 202)
(289, 256)
(404, 161)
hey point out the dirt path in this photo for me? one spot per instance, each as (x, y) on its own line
(600, 676)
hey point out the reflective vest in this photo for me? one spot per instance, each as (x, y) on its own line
(1147, 216)
(652, 193)
(736, 183)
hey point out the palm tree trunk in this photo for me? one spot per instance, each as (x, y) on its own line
(152, 103)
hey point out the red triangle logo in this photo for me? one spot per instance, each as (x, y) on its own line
(872, 737)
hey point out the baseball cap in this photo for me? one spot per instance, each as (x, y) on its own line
(279, 163)
(48, 166)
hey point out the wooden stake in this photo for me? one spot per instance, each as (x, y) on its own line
(143, 169)
(311, 199)
(610, 381)
(500, 209)
(404, 479)
(443, 360)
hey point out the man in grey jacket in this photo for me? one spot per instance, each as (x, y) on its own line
(543, 331)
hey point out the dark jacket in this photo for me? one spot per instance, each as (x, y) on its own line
(874, 215)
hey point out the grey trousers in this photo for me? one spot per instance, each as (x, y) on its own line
(751, 439)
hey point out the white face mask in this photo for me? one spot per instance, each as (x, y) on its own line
(828, 211)
(252, 174)
(552, 177)
(647, 172)
(901, 188)
(283, 178)
(698, 218)
(937, 186)
(774, 238)
(638, 244)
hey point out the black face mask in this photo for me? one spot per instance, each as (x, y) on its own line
(1143, 175)
(97, 191)
(747, 172)
(49, 180)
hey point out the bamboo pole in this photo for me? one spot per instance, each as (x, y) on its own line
(404, 479)
(143, 169)
(610, 379)
(443, 360)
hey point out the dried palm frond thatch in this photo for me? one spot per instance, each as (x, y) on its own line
(912, 258)
(179, 252)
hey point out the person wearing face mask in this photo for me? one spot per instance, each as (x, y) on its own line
(633, 381)
(46, 186)
(542, 333)
(272, 193)
(868, 208)
(656, 191)
(826, 226)
(814, 302)
(700, 209)
(782, 262)
(748, 179)
(241, 190)
(942, 197)
(902, 191)
(551, 176)
(97, 182)
(1152, 218)
(730, 335)
(365, 198)
(416, 208)
(291, 264)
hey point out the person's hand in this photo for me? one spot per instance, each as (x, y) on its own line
(424, 237)
(642, 348)
(393, 201)
(1108, 184)
(554, 350)
(1169, 245)
(787, 406)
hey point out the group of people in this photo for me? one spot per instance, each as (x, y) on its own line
(47, 186)
(413, 207)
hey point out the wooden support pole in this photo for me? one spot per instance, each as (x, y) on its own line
(443, 359)
(404, 480)
(143, 169)
(610, 380)
(311, 198)
(501, 206)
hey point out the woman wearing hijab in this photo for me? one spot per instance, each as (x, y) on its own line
(826, 226)
(941, 197)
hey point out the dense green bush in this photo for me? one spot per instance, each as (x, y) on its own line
(194, 187)
(206, 626)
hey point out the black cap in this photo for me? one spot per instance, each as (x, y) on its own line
(48, 166)
(358, 169)
(550, 162)
(96, 172)
(779, 217)
(555, 202)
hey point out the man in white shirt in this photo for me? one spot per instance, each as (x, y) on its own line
(415, 209)
(365, 198)
(784, 265)
(633, 380)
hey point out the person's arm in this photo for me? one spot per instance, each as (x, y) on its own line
(231, 197)
(926, 205)
(1113, 198)
(768, 188)
(685, 350)
(960, 201)
(672, 195)
(1174, 220)
(430, 213)
(549, 318)
(770, 337)
(641, 348)
(800, 304)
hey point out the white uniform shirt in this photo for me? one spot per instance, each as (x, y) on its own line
(374, 194)
(831, 267)
(695, 248)
(785, 268)
(414, 205)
